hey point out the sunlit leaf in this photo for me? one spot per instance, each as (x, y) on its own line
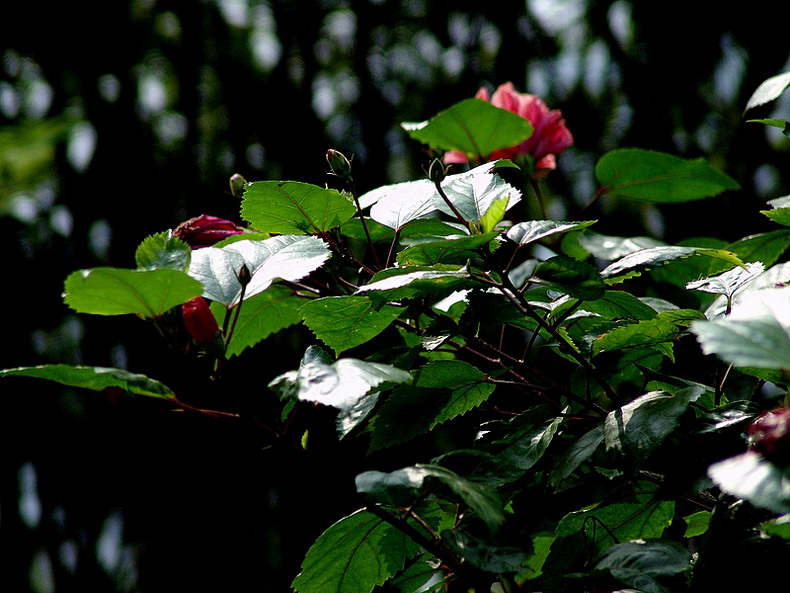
(648, 176)
(524, 233)
(94, 378)
(760, 342)
(655, 332)
(658, 256)
(163, 250)
(285, 257)
(759, 481)
(354, 555)
(292, 207)
(473, 126)
(115, 291)
(347, 321)
(728, 282)
(769, 90)
(262, 315)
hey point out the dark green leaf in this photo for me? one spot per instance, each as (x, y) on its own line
(286, 257)
(451, 250)
(573, 277)
(348, 321)
(640, 426)
(765, 247)
(659, 332)
(294, 208)
(262, 315)
(613, 305)
(648, 566)
(95, 378)
(163, 250)
(473, 126)
(394, 486)
(648, 176)
(114, 291)
(579, 452)
(782, 124)
(354, 555)
(482, 554)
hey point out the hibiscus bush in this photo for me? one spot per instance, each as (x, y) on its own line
(553, 409)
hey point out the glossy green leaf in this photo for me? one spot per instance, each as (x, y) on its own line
(648, 176)
(524, 233)
(456, 249)
(474, 193)
(778, 215)
(348, 321)
(577, 454)
(697, 523)
(639, 427)
(163, 250)
(658, 256)
(412, 281)
(262, 315)
(650, 566)
(769, 90)
(728, 282)
(610, 248)
(761, 343)
(573, 277)
(494, 215)
(394, 486)
(613, 305)
(759, 481)
(285, 257)
(94, 378)
(115, 291)
(764, 247)
(354, 555)
(473, 126)
(294, 208)
(782, 124)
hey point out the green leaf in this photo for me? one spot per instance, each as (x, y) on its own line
(764, 247)
(394, 486)
(294, 208)
(95, 378)
(761, 343)
(163, 250)
(648, 176)
(473, 126)
(657, 332)
(626, 515)
(441, 391)
(568, 275)
(728, 282)
(494, 215)
(658, 256)
(262, 315)
(611, 248)
(348, 321)
(412, 281)
(640, 426)
(647, 566)
(340, 384)
(782, 124)
(455, 249)
(613, 305)
(482, 554)
(115, 291)
(354, 555)
(697, 523)
(285, 257)
(579, 452)
(769, 90)
(750, 476)
(474, 193)
(524, 233)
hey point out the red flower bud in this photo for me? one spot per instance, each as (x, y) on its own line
(199, 320)
(769, 435)
(205, 230)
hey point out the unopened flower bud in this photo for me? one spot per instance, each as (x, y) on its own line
(205, 230)
(437, 171)
(237, 185)
(199, 321)
(339, 165)
(244, 275)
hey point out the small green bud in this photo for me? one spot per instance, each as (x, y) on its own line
(437, 171)
(237, 185)
(339, 165)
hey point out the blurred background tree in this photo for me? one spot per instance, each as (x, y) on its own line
(121, 119)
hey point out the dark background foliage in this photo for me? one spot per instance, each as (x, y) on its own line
(121, 119)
